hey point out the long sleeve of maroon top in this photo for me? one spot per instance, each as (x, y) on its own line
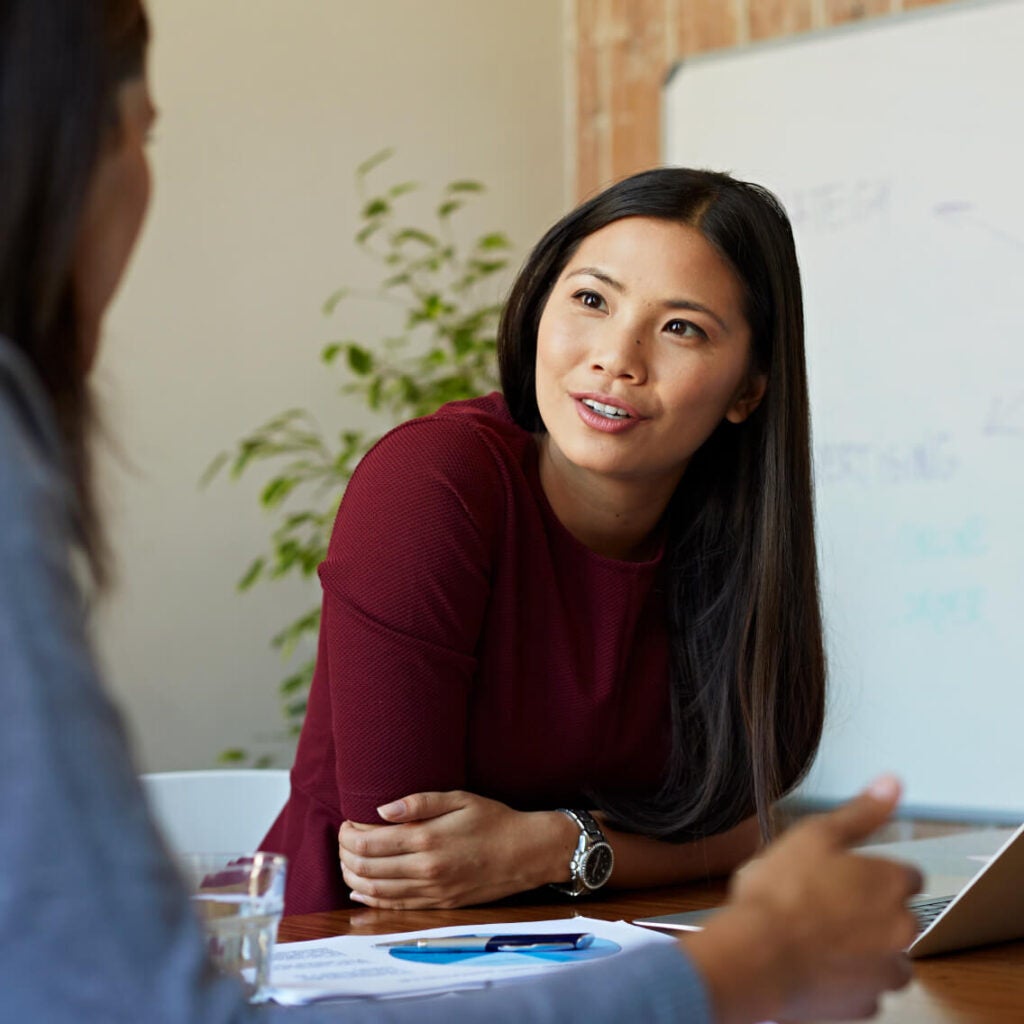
(468, 641)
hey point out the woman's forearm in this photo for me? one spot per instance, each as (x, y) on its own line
(644, 862)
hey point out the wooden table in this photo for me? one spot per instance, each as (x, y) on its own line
(984, 986)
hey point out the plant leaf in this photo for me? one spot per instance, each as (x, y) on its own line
(368, 232)
(215, 466)
(296, 709)
(374, 161)
(375, 208)
(331, 303)
(276, 491)
(495, 240)
(359, 360)
(487, 267)
(413, 235)
(252, 574)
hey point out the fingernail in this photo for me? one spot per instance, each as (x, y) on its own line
(357, 897)
(885, 787)
(392, 810)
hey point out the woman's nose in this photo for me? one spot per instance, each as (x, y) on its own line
(621, 356)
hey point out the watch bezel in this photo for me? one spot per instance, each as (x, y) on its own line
(589, 858)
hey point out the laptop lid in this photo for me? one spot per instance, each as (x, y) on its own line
(989, 908)
(980, 874)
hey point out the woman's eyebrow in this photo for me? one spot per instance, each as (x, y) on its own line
(600, 275)
(688, 304)
(696, 307)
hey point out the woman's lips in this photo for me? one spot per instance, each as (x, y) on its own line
(607, 414)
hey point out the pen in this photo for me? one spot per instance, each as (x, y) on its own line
(493, 943)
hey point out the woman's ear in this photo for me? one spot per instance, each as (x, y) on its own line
(748, 398)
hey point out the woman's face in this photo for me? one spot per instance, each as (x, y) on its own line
(113, 214)
(642, 350)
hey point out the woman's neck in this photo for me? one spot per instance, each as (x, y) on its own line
(613, 517)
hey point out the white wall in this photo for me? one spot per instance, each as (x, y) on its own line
(266, 108)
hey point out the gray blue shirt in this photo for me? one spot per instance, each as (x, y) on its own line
(95, 926)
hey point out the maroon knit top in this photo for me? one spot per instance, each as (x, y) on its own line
(468, 641)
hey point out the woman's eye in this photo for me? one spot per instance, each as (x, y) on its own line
(685, 329)
(589, 299)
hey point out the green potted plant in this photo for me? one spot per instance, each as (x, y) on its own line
(444, 351)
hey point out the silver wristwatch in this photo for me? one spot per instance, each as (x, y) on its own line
(592, 860)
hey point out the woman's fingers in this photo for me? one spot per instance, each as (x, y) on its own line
(422, 806)
(411, 903)
(382, 840)
(403, 866)
(397, 893)
(384, 888)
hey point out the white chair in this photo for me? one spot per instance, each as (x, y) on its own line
(220, 811)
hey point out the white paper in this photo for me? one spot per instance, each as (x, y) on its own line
(352, 966)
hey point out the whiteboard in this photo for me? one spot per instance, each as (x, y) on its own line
(897, 147)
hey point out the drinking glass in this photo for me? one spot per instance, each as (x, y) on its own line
(239, 897)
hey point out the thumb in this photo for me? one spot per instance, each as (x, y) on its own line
(421, 806)
(866, 812)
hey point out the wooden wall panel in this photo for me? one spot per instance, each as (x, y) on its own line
(770, 18)
(839, 11)
(592, 116)
(706, 24)
(638, 65)
(622, 49)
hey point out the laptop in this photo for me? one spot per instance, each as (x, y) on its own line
(975, 883)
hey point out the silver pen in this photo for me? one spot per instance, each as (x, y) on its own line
(493, 943)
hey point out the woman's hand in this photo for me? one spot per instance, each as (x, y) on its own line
(452, 849)
(812, 929)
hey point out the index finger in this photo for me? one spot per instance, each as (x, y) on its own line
(421, 806)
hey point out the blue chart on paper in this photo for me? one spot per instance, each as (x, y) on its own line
(600, 948)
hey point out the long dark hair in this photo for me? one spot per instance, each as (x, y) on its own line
(747, 658)
(61, 64)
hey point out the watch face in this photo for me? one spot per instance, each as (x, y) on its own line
(597, 866)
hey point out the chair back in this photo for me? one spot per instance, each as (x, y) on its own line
(216, 811)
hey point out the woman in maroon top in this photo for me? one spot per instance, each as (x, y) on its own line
(581, 619)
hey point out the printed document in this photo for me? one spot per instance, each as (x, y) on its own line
(356, 966)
